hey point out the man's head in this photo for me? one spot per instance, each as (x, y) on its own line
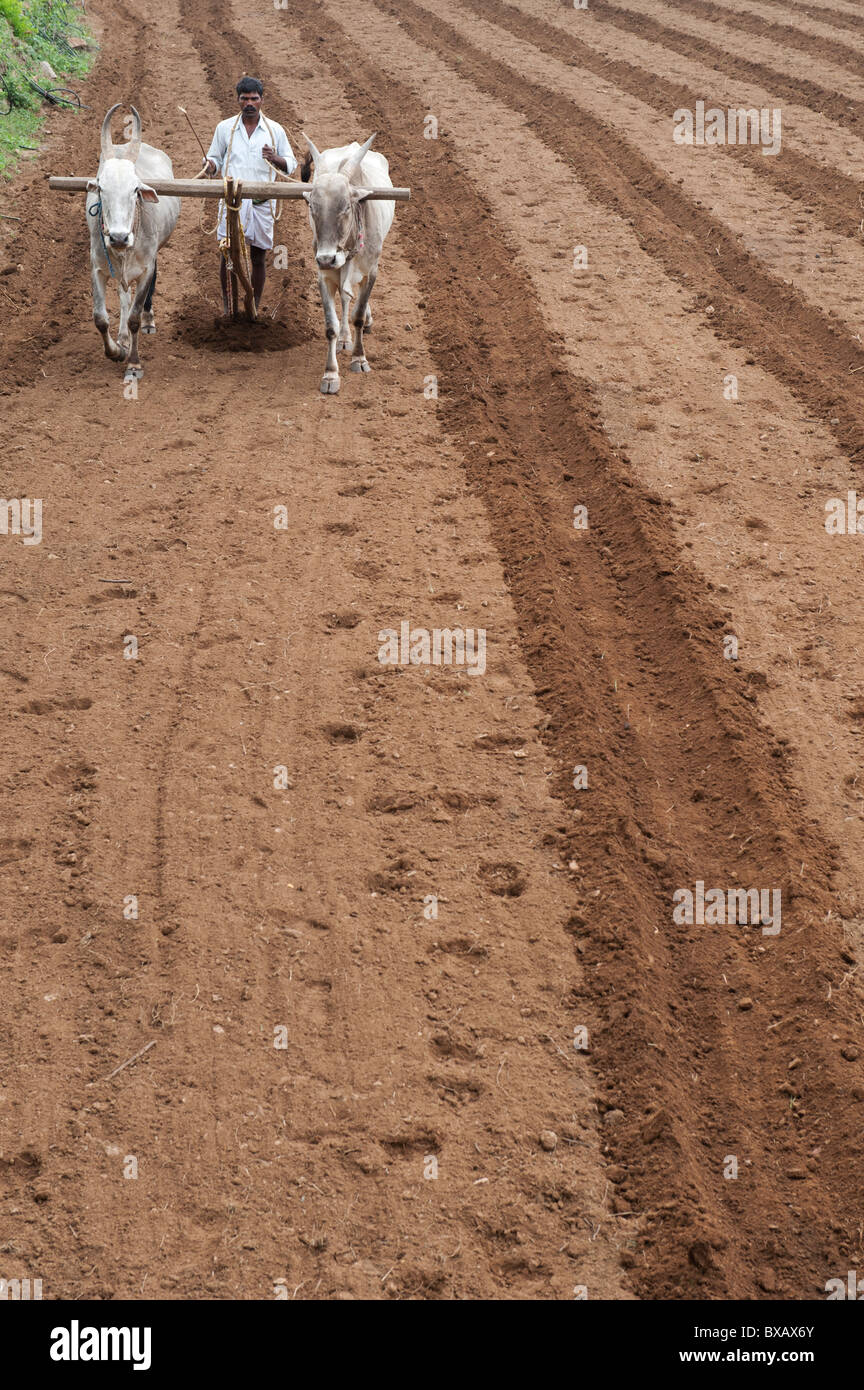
(249, 94)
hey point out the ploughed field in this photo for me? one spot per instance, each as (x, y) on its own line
(430, 967)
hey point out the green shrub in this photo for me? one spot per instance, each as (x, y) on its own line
(14, 16)
(32, 30)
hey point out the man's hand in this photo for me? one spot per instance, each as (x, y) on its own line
(209, 167)
(275, 159)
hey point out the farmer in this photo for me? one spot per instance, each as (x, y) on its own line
(242, 147)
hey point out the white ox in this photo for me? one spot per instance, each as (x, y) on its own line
(348, 234)
(128, 222)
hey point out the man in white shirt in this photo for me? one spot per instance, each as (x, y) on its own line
(243, 147)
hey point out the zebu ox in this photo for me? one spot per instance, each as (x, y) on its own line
(348, 234)
(128, 222)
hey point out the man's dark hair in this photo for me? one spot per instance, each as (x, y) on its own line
(250, 84)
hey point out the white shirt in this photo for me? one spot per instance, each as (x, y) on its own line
(247, 161)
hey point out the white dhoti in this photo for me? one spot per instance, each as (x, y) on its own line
(256, 221)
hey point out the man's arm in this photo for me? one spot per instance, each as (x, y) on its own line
(282, 156)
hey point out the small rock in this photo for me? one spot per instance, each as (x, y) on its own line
(60, 936)
(796, 1174)
(613, 1117)
(850, 1053)
(745, 1004)
(548, 1140)
(655, 1126)
(768, 1280)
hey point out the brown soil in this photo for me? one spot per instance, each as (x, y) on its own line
(290, 814)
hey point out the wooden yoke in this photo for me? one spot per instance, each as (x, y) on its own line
(212, 188)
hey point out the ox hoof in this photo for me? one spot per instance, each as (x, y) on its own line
(343, 344)
(360, 365)
(148, 324)
(134, 373)
(329, 385)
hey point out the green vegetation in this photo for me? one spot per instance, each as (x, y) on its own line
(32, 31)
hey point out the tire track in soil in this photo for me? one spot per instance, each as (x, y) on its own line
(628, 588)
(833, 194)
(847, 111)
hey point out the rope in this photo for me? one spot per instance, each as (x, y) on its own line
(95, 210)
(276, 211)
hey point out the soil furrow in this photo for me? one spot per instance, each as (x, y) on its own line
(619, 585)
(747, 22)
(836, 196)
(827, 13)
(846, 110)
(791, 339)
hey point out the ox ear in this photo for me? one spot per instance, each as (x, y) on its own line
(147, 194)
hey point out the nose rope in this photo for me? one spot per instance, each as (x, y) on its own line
(95, 210)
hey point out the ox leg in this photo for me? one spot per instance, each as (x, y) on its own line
(148, 318)
(133, 361)
(343, 342)
(99, 280)
(330, 379)
(123, 338)
(358, 360)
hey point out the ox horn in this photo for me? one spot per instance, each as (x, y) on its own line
(353, 169)
(107, 146)
(315, 153)
(135, 143)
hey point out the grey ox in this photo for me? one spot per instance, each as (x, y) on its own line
(348, 234)
(128, 222)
